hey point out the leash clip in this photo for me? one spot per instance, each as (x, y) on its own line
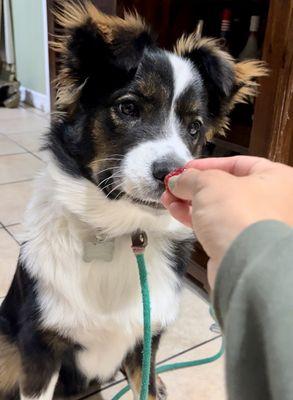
(139, 241)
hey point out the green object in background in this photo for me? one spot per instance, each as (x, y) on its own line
(28, 29)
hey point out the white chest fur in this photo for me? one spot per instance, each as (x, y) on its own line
(118, 317)
(97, 303)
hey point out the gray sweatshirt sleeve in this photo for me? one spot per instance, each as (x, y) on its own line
(253, 301)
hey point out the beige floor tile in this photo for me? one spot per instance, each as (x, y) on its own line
(204, 382)
(39, 112)
(191, 327)
(8, 258)
(13, 113)
(29, 122)
(18, 167)
(8, 146)
(14, 198)
(31, 141)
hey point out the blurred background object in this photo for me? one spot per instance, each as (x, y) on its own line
(9, 87)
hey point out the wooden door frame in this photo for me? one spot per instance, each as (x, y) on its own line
(272, 133)
(52, 55)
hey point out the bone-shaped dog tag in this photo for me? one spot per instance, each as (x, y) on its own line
(98, 250)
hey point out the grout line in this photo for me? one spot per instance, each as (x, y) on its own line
(41, 130)
(34, 155)
(14, 154)
(27, 150)
(159, 363)
(29, 109)
(23, 148)
(10, 234)
(23, 133)
(102, 389)
(10, 183)
(187, 350)
(39, 158)
(8, 226)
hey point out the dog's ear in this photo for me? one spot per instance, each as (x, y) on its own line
(95, 48)
(227, 82)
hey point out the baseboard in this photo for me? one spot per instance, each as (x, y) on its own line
(35, 99)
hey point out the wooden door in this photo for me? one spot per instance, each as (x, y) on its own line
(272, 133)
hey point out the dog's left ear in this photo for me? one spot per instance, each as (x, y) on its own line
(227, 82)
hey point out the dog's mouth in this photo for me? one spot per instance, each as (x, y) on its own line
(149, 203)
(114, 191)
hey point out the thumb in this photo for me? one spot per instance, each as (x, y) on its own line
(184, 185)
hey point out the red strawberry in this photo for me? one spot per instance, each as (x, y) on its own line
(177, 171)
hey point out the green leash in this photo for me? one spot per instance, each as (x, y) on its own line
(139, 243)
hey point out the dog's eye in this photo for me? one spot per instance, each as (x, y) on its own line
(129, 108)
(194, 128)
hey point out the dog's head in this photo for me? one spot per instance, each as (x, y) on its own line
(131, 112)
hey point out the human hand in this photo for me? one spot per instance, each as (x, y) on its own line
(220, 197)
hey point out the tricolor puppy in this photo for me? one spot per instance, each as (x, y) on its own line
(128, 114)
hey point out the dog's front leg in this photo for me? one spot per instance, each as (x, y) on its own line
(41, 356)
(44, 393)
(132, 368)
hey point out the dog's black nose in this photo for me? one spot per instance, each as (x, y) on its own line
(162, 168)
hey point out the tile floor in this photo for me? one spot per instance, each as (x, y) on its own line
(191, 337)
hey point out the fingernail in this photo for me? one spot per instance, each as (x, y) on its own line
(172, 182)
(172, 175)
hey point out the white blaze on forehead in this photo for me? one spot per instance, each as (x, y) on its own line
(183, 73)
(138, 162)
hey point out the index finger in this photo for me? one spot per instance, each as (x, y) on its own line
(237, 165)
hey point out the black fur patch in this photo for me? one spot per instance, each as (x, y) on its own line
(72, 144)
(180, 256)
(91, 58)
(71, 381)
(218, 78)
(20, 294)
(42, 352)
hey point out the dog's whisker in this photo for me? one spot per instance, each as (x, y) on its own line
(117, 154)
(101, 183)
(111, 158)
(122, 183)
(108, 185)
(115, 188)
(111, 183)
(105, 187)
(106, 169)
(116, 174)
(121, 191)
